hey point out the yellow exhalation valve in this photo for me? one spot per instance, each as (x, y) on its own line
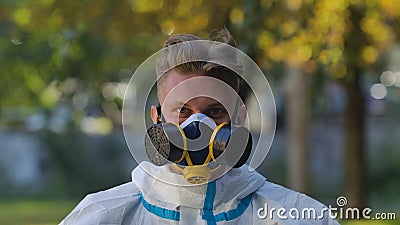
(197, 174)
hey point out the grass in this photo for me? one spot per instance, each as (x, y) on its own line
(51, 212)
(370, 222)
(34, 212)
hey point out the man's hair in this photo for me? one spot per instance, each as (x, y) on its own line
(184, 58)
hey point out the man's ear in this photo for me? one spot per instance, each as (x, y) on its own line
(155, 117)
(241, 115)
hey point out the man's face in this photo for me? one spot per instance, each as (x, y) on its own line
(182, 95)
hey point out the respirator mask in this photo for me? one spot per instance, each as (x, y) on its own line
(198, 146)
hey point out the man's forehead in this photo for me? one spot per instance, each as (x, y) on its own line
(173, 78)
(181, 88)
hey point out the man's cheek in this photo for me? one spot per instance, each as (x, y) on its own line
(172, 118)
(222, 120)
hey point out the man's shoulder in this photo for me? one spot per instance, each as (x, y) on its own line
(104, 204)
(118, 192)
(285, 197)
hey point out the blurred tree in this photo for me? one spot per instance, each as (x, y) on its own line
(278, 34)
(75, 56)
(342, 39)
(372, 28)
(45, 43)
(65, 53)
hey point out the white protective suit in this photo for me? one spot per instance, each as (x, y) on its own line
(235, 198)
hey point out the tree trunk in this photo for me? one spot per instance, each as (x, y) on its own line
(297, 128)
(354, 117)
(354, 142)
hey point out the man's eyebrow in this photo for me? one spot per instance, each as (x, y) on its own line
(215, 104)
(185, 104)
(181, 104)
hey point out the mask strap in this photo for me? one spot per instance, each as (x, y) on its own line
(211, 145)
(187, 157)
(185, 151)
(159, 113)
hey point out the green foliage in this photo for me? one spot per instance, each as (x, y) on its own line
(38, 212)
(45, 42)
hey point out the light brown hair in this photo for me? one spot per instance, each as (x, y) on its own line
(183, 58)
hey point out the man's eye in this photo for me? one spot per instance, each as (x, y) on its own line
(183, 111)
(216, 112)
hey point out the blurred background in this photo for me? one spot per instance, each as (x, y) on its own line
(334, 68)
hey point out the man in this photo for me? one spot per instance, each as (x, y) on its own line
(186, 182)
